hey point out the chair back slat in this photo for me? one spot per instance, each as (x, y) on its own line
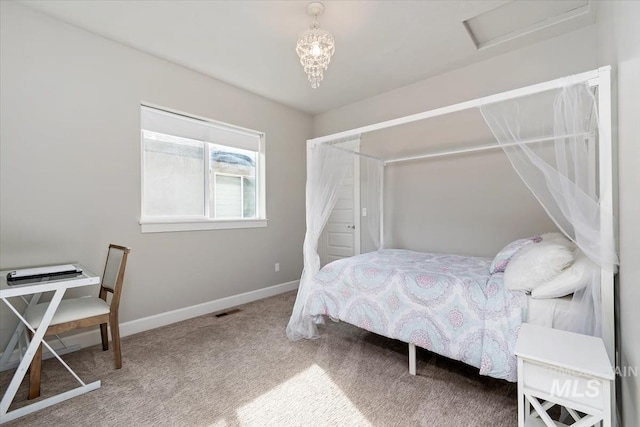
(112, 268)
(113, 275)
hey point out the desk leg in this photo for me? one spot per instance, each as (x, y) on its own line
(20, 330)
(38, 336)
(13, 342)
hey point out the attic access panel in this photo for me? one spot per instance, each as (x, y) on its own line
(518, 18)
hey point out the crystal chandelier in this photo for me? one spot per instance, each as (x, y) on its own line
(315, 47)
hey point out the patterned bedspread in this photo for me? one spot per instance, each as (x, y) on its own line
(448, 304)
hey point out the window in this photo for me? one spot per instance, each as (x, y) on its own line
(198, 174)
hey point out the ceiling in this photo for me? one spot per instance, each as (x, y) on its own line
(380, 45)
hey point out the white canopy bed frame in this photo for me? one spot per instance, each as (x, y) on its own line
(602, 157)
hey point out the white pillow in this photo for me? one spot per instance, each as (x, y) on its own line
(569, 281)
(536, 264)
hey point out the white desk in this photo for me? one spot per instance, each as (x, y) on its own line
(58, 287)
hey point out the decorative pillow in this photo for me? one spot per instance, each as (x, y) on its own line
(574, 278)
(536, 264)
(501, 260)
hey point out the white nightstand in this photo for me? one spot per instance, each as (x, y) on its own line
(562, 368)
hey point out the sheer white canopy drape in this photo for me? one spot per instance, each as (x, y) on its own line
(550, 139)
(327, 168)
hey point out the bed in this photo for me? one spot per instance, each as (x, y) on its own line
(427, 299)
(449, 304)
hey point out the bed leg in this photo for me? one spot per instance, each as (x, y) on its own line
(412, 359)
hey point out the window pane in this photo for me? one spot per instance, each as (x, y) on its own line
(173, 175)
(228, 192)
(232, 174)
(249, 197)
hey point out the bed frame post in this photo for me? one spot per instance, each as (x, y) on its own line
(381, 207)
(606, 204)
(605, 166)
(412, 359)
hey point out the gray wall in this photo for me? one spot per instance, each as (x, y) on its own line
(470, 204)
(619, 46)
(70, 168)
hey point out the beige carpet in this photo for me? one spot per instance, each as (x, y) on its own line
(241, 370)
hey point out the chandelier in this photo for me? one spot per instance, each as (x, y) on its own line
(315, 47)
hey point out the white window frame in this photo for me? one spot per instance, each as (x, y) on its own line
(161, 224)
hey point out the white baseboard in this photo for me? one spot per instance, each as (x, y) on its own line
(163, 319)
(89, 338)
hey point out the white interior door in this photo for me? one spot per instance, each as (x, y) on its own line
(341, 235)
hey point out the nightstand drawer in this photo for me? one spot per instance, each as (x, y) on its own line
(567, 385)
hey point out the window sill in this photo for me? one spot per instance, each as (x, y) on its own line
(169, 225)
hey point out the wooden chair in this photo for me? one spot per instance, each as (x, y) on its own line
(84, 312)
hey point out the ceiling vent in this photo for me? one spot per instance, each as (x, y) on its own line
(518, 18)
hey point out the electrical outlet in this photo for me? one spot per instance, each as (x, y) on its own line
(277, 267)
(364, 211)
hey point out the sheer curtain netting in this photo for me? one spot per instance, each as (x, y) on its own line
(561, 172)
(327, 168)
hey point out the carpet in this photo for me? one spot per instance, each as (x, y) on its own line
(241, 370)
